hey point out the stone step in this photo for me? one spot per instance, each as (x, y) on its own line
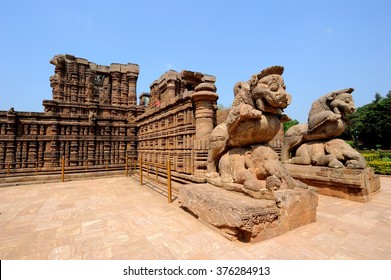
(32, 178)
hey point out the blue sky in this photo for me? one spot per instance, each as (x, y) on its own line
(323, 45)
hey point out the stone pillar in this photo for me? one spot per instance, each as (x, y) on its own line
(124, 90)
(33, 146)
(41, 149)
(170, 91)
(89, 86)
(107, 145)
(91, 153)
(32, 154)
(74, 147)
(205, 99)
(74, 93)
(74, 82)
(132, 80)
(115, 88)
(85, 148)
(67, 152)
(11, 136)
(2, 152)
(24, 153)
(52, 156)
(56, 81)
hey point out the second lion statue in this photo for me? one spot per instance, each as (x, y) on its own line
(314, 143)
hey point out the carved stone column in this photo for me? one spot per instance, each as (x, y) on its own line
(32, 154)
(170, 91)
(124, 90)
(11, 136)
(92, 145)
(132, 79)
(205, 99)
(107, 145)
(53, 154)
(2, 152)
(89, 86)
(74, 147)
(41, 149)
(115, 88)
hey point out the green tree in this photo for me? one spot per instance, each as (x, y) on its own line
(378, 98)
(370, 125)
(222, 107)
(290, 123)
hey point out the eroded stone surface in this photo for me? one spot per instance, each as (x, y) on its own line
(255, 171)
(250, 195)
(89, 120)
(254, 119)
(238, 216)
(334, 153)
(178, 121)
(353, 184)
(314, 143)
(309, 146)
(93, 120)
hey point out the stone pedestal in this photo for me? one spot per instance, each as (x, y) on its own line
(238, 216)
(353, 184)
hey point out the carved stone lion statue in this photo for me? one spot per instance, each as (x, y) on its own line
(255, 171)
(326, 121)
(254, 117)
(335, 153)
(239, 158)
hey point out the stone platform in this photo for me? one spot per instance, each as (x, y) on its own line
(117, 219)
(238, 216)
(352, 184)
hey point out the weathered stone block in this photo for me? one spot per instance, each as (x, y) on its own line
(238, 216)
(353, 184)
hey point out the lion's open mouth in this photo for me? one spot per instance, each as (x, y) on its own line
(348, 111)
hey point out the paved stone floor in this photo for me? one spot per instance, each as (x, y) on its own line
(115, 218)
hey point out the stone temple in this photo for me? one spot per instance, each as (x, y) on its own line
(232, 175)
(93, 119)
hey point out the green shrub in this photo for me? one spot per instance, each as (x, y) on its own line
(371, 156)
(379, 161)
(385, 155)
(350, 142)
(381, 167)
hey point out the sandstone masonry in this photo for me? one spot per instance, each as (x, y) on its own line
(93, 120)
(89, 121)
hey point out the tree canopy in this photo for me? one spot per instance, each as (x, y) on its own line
(370, 125)
(290, 123)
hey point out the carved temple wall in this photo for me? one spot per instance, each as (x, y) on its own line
(93, 120)
(30, 138)
(90, 119)
(177, 122)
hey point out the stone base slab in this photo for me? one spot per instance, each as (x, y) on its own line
(352, 184)
(238, 216)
